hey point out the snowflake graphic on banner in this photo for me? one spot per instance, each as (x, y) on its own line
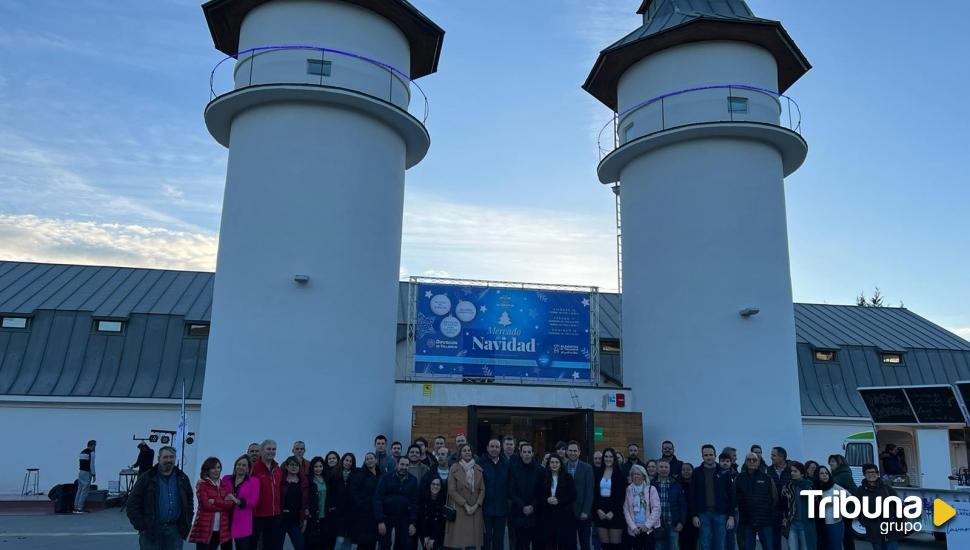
(423, 325)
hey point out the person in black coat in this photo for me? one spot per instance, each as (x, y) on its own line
(431, 516)
(690, 534)
(146, 458)
(319, 534)
(757, 498)
(338, 496)
(524, 478)
(555, 495)
(609, 492)
(363, 487)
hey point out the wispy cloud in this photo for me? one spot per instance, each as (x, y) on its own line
(464, 240)
(600, 23)
(32, 238)
(962, 332)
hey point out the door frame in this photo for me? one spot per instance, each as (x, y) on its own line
(471, 431)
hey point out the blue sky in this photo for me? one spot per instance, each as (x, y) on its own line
(104, 157)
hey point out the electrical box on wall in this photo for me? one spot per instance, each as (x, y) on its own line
(614, 400)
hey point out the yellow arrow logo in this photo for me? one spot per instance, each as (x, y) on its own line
(942, 512)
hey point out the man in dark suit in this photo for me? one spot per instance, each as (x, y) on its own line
(583, 505)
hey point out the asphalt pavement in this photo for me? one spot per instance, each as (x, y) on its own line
(109, 529)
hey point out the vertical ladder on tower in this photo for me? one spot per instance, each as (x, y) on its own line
(619, 240)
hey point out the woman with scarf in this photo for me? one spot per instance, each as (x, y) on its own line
(833, 528)
(556, 524)
(641, 509)
(245, 490)
(466, 492)
(796, 525)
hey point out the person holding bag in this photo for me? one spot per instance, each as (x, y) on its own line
(466, 492)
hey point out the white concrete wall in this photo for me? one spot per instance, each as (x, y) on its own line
(824, 437)
(411, 394)
(316, 191)
(327, 24)
(50, 434)
(319, 191)
(704, 236)
(694, 65)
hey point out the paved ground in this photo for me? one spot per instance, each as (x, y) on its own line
(109, 529)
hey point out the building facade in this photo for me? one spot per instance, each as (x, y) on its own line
(90, 352)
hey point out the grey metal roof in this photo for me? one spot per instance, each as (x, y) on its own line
(105, 292)
(61, 355)
(931, 354)
(669, 23)
(225, 18)
(884, 328)
(667, 14)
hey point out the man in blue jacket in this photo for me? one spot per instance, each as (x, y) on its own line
(583, 480)
(396, 507)
(495, 471)
(712, 501)
(673, 508)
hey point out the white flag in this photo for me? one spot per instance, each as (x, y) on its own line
(180, 431)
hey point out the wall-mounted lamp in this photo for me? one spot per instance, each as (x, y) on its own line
(301, 279)
(749, 311)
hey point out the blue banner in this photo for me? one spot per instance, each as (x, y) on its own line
(467, 331)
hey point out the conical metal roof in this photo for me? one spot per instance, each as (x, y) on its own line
(669, 23)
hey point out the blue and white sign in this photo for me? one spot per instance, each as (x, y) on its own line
(467, 331)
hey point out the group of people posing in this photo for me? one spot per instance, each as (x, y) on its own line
(434, 497)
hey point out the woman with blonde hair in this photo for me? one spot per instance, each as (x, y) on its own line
(641, 509)
(466, 492)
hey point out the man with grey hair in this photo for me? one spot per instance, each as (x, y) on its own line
(160, 505)
(267, 514)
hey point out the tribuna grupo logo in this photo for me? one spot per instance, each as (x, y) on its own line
(897, 514)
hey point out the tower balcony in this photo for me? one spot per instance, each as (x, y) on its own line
(306, 73)
(716, 110)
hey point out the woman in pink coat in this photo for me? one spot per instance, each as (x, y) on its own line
(245, 492)
(641, 508)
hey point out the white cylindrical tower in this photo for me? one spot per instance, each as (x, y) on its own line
(302, 345)
(701, 155)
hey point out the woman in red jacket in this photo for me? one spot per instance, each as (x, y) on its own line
(211, 527)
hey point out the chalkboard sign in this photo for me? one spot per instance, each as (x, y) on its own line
(935, 405)
(888, 406)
